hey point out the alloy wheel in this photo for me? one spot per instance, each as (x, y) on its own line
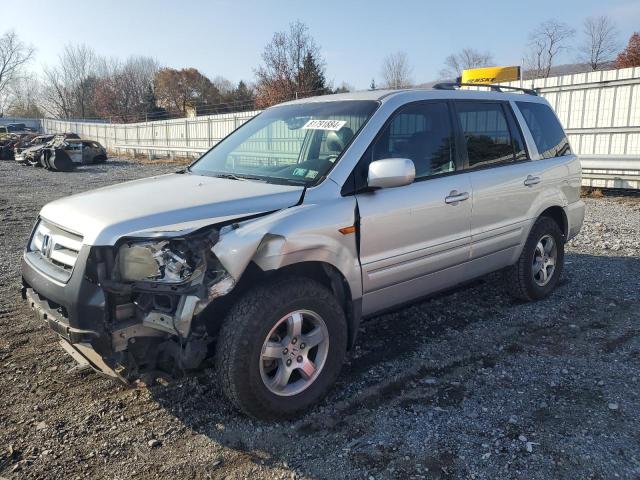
(294, 353)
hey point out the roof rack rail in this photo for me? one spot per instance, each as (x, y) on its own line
(493, 87)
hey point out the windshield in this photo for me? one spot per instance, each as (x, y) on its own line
(292, 144)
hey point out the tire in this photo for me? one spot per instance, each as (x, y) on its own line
(100, 159)
(241, 368)
(528, 283)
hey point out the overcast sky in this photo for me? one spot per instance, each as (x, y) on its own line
(227, 37)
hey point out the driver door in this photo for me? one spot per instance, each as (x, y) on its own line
(415, 239)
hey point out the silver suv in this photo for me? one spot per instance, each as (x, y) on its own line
(265, 254)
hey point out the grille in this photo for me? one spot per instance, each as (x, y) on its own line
(55, 246)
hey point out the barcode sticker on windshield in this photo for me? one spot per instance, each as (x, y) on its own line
(334, 125)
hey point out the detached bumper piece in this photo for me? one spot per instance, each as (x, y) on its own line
(75, 341)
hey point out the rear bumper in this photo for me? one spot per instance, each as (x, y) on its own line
(575, 217)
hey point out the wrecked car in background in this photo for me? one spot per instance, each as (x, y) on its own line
(267, 251)
(13, 141)
(62, 152)
(29, 151)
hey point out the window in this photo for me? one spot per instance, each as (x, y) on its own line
(421, 132)
(545, 128)
(487, 134)
(290, 144)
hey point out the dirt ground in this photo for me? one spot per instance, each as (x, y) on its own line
(469, 384)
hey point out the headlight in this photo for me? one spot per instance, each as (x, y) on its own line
(165, 261)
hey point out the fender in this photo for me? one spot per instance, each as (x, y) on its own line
(303, 233)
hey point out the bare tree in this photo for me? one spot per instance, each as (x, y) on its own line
(123, 89)
(600, 43)
(546, 42)
(80, 61)
(57, 95)
(24, 97)
(70, 86)
(396, 71)
(464, 59)
(223, 84)
(14, 55)
(292, 67)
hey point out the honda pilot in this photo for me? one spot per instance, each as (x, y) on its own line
(263, 256)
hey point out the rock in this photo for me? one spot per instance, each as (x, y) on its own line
(153, 443)
(41, 426)
(613, 406)
(522, 438)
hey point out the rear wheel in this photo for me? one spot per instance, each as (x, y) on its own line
(281, 348)
(539, 267)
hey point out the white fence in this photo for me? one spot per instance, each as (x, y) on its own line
(193, 134)
(599, 110)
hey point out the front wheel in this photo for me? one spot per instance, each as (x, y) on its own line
(281, 348)
(539, 267)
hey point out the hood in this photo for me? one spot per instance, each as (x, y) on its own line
(176, 203)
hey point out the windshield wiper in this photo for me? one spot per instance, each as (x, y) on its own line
(233, 176)
(229, 176)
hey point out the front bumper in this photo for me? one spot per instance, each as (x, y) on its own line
(71, 339)
(75, 310)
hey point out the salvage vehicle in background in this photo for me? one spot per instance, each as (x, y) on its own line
(267, 251)
(62, 152)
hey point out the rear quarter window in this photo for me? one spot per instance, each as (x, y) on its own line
(547, 133)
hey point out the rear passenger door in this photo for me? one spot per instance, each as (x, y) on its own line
(414, 239)
(504, 182)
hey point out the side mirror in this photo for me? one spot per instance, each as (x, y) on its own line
(391, 172)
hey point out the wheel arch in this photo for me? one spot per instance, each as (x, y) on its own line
(322, 272)
(558, 215)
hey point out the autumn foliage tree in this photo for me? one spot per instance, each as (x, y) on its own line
(630, 56)
(122, 94)
(184, 91)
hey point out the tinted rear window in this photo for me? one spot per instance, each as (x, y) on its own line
(486, 133)
(545, 128)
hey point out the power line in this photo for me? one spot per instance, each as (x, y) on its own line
(207, 109)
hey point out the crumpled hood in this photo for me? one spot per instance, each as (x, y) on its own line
(173, 202)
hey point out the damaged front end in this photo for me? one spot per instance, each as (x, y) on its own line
(157, 292)
(139, 307)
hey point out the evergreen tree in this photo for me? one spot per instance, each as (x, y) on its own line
(311, 79)
(150, 107)
(242, 97)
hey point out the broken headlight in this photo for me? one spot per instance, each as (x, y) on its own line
(164, 261)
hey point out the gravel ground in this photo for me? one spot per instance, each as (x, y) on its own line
(473, 385)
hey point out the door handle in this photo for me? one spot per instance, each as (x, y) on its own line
(454, 197)
(531, 180)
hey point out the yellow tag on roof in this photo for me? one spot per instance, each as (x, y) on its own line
(488, 75)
